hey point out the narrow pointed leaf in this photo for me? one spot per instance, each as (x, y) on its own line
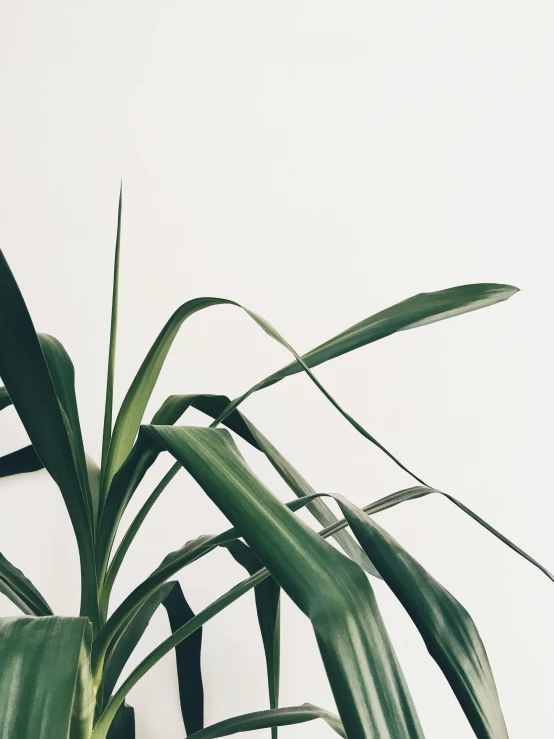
(31, 386)
(188, 660)
(272, 718)
(108, 410)
(134, 404)
(419, 310)
(62, 373)
(446, 627)
(369, 689)
(45, 690)
(21, 591)
(22, 460)
(267, 595)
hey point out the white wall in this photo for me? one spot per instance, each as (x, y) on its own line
(316, 161)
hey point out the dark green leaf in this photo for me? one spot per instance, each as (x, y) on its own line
(21, 591)
(330, 589)
(267, 595)
(188, 660)
(32, 384)
(446, 627)
(123, 726)
(23, 460)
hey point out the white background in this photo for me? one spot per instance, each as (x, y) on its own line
(316, 161)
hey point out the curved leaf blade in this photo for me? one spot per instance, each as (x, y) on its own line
(134, 404)
(446, 627)
(28, 380)
(268, 596)
(187, 659)
(271, 718)
(21, 591)
(419, 310)
(369, 689)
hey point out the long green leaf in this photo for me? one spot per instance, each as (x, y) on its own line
(134, 404)
(214, 405)
(419, 310)
(192, 551)
(21, 591)
(446, 627)
(197, 548)
(22, 460)
(62, 373)
(362, 669)
(187, 659)
(108, 410)
(143, 456)
(273, 718)
(267, 595)
(402, 496)
(46, 417)
(45, 690)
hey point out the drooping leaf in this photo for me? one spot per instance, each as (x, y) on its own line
(267, 595)
(22, 460)
(188, 660)
(446, 627)
(21, 591)
(46, 687)
(402, 496)
(33, 383)
(108, 410)
(213, 405)
(144, 454)
(330, 589)
(273, 718)
(435, 307)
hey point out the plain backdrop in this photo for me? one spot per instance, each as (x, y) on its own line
(315, 161)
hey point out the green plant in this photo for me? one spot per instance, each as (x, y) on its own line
(59, 674)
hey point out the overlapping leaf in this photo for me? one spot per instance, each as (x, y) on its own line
(363, 672)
